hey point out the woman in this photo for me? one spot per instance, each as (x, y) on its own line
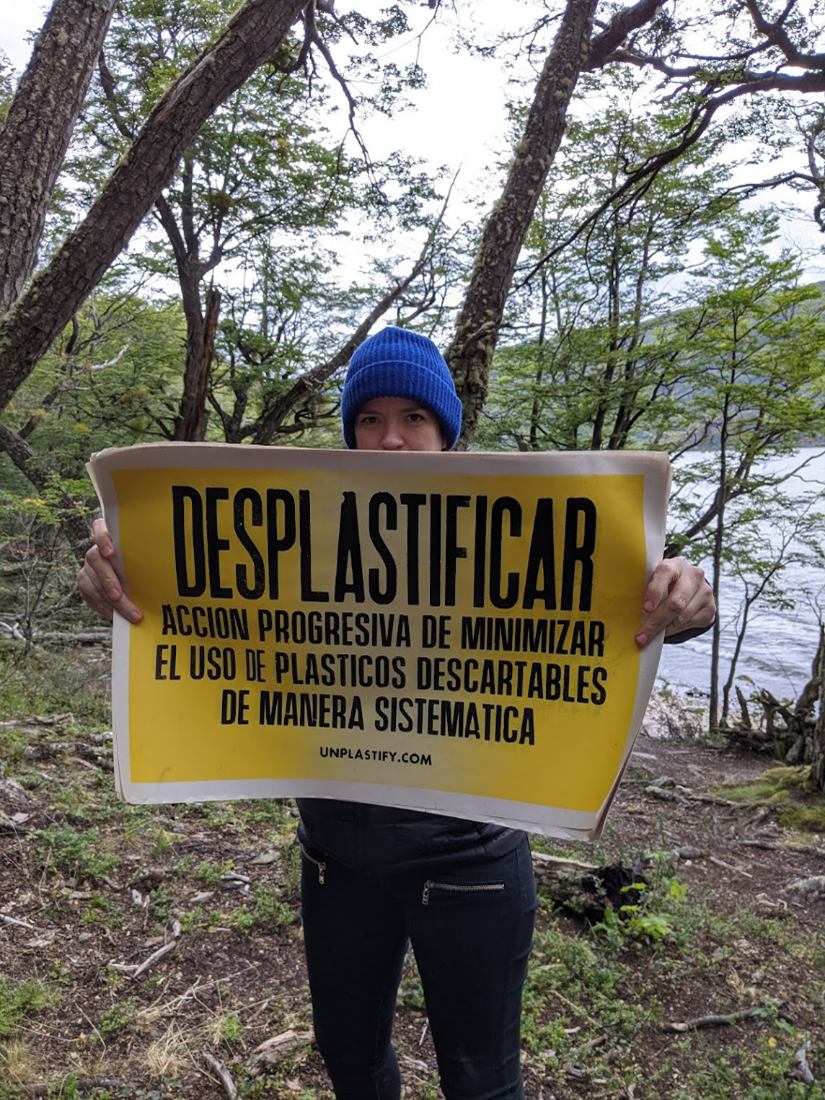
(376, 879)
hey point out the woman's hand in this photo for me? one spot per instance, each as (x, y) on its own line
(99, 584)
(677, 598)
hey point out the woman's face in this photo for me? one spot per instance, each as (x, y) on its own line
(397, 424)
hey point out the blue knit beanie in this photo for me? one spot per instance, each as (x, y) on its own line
(399, 363)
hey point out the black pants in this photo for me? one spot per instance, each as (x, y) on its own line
(471, 929)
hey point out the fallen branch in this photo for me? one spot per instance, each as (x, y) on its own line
(577, 1009)
(83, 637)
(546, 864)
(711, 799)
(13, 920)
(812, 887)
(274, 1050)
(155, 957)
(719, 1021)
(224, 1075)
(729, 867)
(40, 720)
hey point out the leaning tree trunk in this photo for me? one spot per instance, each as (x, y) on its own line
(38, 317)
(274, 415)
(471, 352)
(36, 134)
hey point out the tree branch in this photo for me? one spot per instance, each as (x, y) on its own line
(620, 26)
(272, 420)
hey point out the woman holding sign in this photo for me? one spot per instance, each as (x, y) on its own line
(376, 879)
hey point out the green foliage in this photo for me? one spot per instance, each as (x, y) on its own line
(13, 746)
(231, 1030)
(613, 346)
(6, 86)
(652, 911)
(592, 364)
(76, 853)
(791, 790)
(119, 1017)
(35, 569)
(769, 1075)
(107, 380)
(18, 1000)
(257, 202)
(52, 682)
(268, 911)
(211, 874)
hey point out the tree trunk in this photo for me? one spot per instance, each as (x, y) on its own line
(40, 121)
(817, 749)
(722, 490)
(190, 425)
(36, 319)
(471, 351)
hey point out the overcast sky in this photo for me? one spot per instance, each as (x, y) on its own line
(460, 118)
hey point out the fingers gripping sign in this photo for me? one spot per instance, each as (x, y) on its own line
(677, 598)
(98, 581)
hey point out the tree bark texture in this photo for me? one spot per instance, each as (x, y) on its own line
(35, 320)
(471, 351)
(191, 422)
(34, 140)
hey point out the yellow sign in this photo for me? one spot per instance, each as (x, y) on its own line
(451, 633)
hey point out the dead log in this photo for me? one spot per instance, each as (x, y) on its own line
(584, 890)
(275, 1050)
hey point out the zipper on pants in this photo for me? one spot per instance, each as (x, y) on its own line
(322, 867)
(460, 888)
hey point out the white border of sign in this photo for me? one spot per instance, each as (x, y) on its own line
(653, 467)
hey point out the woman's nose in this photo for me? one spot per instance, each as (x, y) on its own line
(392, 439)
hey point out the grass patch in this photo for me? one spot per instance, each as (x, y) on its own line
(75, 853)
(18, 1000)
(52, 683)
(805, 819)
(268, 911)
(13, 746)
(790, 790)
(764, 1074)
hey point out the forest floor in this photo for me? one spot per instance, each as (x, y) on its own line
(152, 951)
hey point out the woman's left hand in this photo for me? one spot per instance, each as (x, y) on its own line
(677, 598)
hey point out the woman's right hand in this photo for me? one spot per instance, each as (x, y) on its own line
(99, 584)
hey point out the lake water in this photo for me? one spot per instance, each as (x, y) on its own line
(780, 644)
